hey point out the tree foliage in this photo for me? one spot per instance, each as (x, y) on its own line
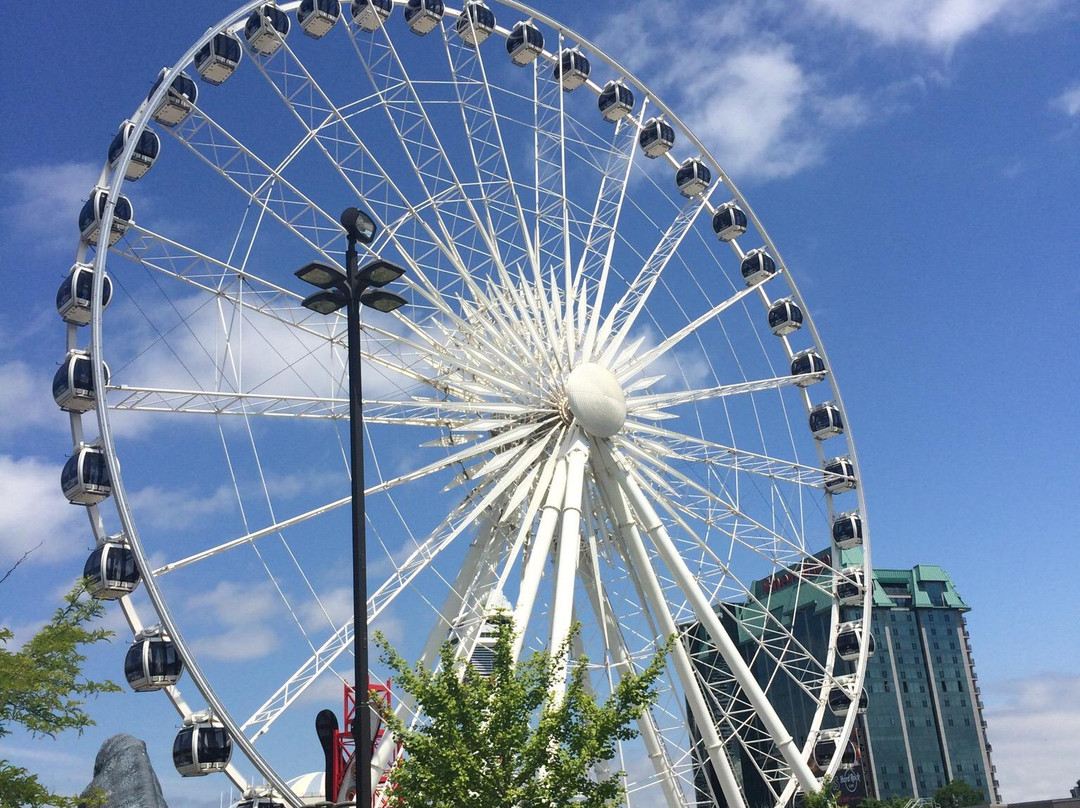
(823, 797)
(958, 794)
(43, 690)
(499, 742)
(895, 801)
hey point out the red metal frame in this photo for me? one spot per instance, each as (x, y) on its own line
(344, 744)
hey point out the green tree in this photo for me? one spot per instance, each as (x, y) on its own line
(895, 801)
(43, 690)
(823, 797)
(498, 742)
(958, 794)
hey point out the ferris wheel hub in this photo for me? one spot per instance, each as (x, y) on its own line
(596, 399)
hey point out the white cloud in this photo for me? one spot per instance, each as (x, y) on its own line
(246, 612)
(25, 400)
(178, 508)
(1069, 101)
(36, 512)
(756, 107)
(1035, 732)
(45, 201)
(934, 23)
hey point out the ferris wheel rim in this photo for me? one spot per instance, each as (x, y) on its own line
(141, 121)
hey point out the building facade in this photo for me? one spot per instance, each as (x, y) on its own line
(924, 724)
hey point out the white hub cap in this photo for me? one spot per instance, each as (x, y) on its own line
(596, 399)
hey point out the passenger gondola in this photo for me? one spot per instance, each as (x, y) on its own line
(73, 383)
(317, 17)
(259, 797)
(423, 15)
(847, 530)
(841, 696)
(757, 266)
(266, 29)
(826, 747)
(110, 570)
(475, 23)
(656, 137)
(178, 102)
(524, 43)
(217, 59)
(202, 746)
(729, 221)
(693, 177)
(73, 296)
(849, 638)
(825, 421)
(808, 367)
(785, 317)
(94, 210)
(369, 15)
(152, 661)
(616, 101)
(85, 478)
(572, 69)
(850, 586)
(839, 475)
(146, 151)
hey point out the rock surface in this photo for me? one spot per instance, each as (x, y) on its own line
(123, 771)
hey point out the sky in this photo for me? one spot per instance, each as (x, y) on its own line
(915, 162)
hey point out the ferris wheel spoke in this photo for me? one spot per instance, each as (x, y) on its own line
(769, 543)
(648, 406)
(624, 314)
(329, 127)
(615, 641)
(790, 655)
(262, 184)
(456, 216)
(505, 216)
(551, 239)
(691, 449)
(600, 243)
(638, 363)
(658, 534)
(460, 519)
(634, 547)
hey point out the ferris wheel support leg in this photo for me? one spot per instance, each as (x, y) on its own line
(616, 644)
(566, 559)
(534, 566)
(654, 595)
(707, 617)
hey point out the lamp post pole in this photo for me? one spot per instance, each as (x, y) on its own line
(349, 290)
(361, 728)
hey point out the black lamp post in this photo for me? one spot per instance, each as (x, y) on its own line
(355, 287)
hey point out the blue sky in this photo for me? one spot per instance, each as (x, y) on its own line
(915, 162)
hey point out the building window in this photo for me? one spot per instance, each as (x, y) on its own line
(928, 722)
(918, 768)
(933, 631)
(959, 767)
(948, 703)
(944, 686)
(924, 704)
(963, 702)
(959, 685)
(886, 685)
(950, 722)
(937, 768)
(967, 722)
(903, 686)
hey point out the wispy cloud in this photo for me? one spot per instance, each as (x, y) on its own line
(245, 614)
(1068, 102)
(1035, 730)
(761, 111)
(35, 512)
(45, 202)
(25, 402)
(931, 23)
(179, 508)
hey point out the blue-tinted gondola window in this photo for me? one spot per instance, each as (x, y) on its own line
(182, 748)
(120, 565)
(92, 567)
(82, 377)
(133, 669)
(70, 475)
(213, 745)
(95, 472)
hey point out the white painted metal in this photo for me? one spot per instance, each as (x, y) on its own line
(516, 274)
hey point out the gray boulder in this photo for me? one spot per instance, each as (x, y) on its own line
(123, 771)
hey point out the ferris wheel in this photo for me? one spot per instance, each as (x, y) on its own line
(605, 401)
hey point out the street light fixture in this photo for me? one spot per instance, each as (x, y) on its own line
(351, 289)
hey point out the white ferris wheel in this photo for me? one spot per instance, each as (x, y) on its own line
(604, 402)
